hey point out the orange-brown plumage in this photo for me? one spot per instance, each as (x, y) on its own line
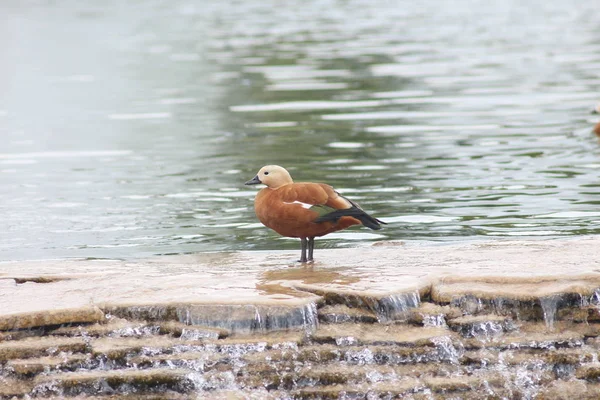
(276, 209)
(304, 210)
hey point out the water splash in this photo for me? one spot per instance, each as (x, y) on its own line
(595, 298)
(486, 330)
(434, 320)
(250, 318)
(446, 349)
(140, 331)
(345, 341)
(360, 357)
(395, 306)
(549, 306)
(198, 334)
(469, 304)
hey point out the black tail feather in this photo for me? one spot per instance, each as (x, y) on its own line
(355, 212)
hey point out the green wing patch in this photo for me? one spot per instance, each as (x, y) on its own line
(321, 209)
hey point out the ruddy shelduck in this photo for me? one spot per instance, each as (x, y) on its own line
(304, 210)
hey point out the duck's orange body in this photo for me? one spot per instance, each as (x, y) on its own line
(289, 210)
(304, 210)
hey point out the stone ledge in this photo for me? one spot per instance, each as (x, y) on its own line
(262, 291)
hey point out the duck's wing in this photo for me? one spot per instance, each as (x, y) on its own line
(328, 204)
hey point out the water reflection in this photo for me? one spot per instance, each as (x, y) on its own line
(131, 133)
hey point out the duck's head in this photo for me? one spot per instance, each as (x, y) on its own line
(273, 176)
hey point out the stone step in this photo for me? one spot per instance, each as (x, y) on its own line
(169, 395)
(119, 327)
(399, 335)
(14, 388)
(112, 327)
(40, 346)
(527, 339)
(430, 314)
(34, 366)
(573, 389)
(51, 317)
(482, 326)
(115, 381)
(119, 348)
(437, 388)
(377, 390)
(338, 313)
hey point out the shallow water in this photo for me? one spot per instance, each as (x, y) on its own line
(129, 129)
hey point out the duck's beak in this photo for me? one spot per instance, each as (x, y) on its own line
(253, 181)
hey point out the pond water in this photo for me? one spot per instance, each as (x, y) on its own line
(129, 128)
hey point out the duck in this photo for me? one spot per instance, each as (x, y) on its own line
(304, 210)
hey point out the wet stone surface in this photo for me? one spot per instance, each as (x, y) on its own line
(160, 329)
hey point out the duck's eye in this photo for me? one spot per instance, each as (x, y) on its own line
(266, 172)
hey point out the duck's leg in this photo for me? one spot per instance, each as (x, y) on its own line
(311, 248)
(303, 250)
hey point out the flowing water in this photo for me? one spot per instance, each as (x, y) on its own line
(335, 352)
(128, 129)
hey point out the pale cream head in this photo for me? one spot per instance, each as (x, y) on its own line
(274, 176)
